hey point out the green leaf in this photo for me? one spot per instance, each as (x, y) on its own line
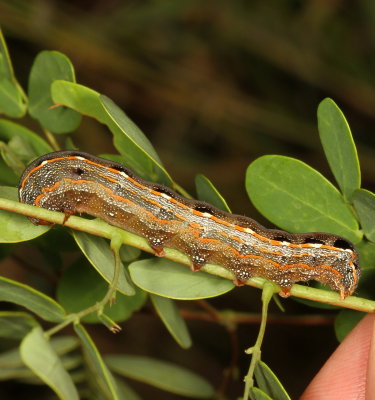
(11, 358)
(132, 144)
(27, 297)
(81, 287)
(206, 191)
(7, 373)
(15, 324)
(70, 363)
(61, 345)
(364, 203)
(161, 374)
(38, 354)
(128, 133)
(18, 146)
(25, 375)
(128, 253)
(100, 256)
(268, 382)
(169, 314)
(169, 279)
(7, 176)
(102, 375)
(13, 101)
(339, 147)
(366, 252)
(37, 146)
(257, 394)
(64, 344)
(345, 321)
(12, 160)
(48, 67)
(298, 198)
(125, 391)
(16, 227)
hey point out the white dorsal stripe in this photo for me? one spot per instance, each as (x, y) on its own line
(207, 215)
(316, 245)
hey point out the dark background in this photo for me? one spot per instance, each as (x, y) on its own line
(215, 84)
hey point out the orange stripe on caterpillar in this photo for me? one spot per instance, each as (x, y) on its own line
(71, 181)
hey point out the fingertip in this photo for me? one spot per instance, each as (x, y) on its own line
(370, 382)
(345, 374)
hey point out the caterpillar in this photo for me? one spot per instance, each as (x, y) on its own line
(76, 182)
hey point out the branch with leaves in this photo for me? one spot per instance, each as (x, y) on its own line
(291, 194)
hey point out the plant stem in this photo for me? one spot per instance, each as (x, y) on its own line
(99, 306)
(267, 293)
(51, 139)
(100, 228)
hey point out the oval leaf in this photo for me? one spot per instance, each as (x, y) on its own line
(16, 227)
(38, 354)
(81, 287)
(48, 67)
(143, 160)
(19, 147)
(99, 254)
(128, 253)
(257, 394)
(339, 147)
(206, 191)
(268, 382)
(128, 132)
(61, 345)
(169, 279)
(37, 146)
(27, 297)
(102, 375)
(169, 314)
(13, 101)
(15, 325)
(366, 254)
(161, 374)
(125, 391)
(298, 198)
(7, 176)
(364, 203)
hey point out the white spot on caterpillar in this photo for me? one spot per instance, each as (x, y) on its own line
(256, 254)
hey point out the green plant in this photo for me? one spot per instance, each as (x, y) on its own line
(288, 192)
